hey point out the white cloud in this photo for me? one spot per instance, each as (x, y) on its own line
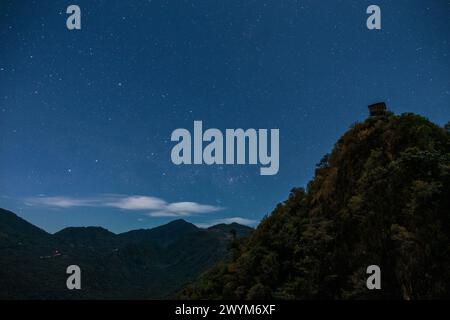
(157, 207)
(190, 207)
(183, 209)
(158, 214)
(61, 202)
(138, 203)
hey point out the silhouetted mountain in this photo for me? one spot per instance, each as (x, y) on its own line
(226, 229)
(14, 229)
(139, 264)
(381, 197)
(96, 236)
(164, 234)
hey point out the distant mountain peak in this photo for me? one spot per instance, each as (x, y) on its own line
(15, 225)
(85, 230)
(241, 230)
(176, 225)
(232, 224)
(178, 222)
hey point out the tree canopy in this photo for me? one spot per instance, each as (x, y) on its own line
(381, 197)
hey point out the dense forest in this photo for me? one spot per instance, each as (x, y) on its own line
(381, 197)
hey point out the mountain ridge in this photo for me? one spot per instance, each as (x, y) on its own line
(139, 264)
(11, 214)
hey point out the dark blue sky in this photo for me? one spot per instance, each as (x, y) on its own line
(86, 116)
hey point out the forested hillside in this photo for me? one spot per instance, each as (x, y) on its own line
(381, 197)
(139, 264)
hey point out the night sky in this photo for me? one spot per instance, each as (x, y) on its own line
(86, 115)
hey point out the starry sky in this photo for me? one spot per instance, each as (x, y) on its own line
(86, 115)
